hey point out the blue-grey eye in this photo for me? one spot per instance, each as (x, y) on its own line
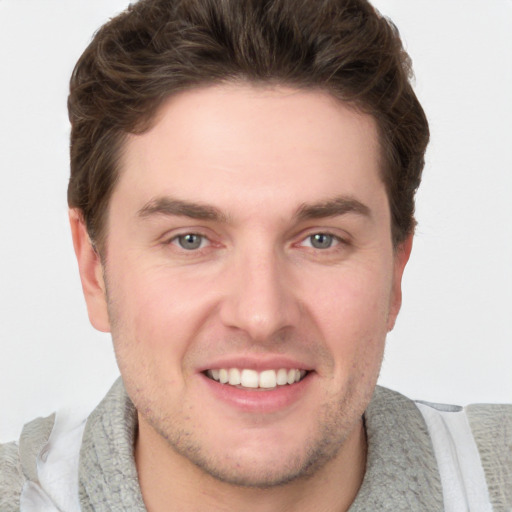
(321, 240)
(190, 241)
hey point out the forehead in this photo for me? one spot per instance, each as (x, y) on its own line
(207, 143)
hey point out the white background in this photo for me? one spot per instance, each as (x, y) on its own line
(453, 340)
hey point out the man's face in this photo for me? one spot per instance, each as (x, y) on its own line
(249, 237)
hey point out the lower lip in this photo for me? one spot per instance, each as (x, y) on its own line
(260, 400)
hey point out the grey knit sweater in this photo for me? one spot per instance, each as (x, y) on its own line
(401, 473)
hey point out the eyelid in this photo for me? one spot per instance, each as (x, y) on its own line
(340, 236)
(171, 237)
(336, 240)
(176, 241)
(171, 234)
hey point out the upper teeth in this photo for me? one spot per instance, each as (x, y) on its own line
(253, 379)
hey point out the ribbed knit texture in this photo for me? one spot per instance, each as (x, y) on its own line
(492, 428)
(107, 474)
(18, 461)
(11, 478)
(401, 472)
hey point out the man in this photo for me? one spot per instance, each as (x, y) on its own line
(241, 202)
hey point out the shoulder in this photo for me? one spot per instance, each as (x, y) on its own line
(11, 477)
(491, 425)
(18, 461)
(473, 443)
(486, 421)
(494, 418)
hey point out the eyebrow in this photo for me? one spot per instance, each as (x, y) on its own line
(177, 207)
(332, 208)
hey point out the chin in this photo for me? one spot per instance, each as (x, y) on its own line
(267, 459)
(264, 471)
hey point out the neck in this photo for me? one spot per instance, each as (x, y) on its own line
(171, 482)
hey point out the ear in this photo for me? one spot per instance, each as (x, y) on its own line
(91, 272)
(401, 257)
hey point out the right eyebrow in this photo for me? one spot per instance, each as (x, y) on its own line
(177, 207)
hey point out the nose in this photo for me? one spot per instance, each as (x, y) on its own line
(260, 298)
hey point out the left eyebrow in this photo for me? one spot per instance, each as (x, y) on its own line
(332, 208)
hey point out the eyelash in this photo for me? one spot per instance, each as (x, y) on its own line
(335, 241)
(175, 240)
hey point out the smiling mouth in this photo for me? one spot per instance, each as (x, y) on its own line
(252, 379)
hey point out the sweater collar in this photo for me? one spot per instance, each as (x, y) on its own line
(401, 469)
(401, 473)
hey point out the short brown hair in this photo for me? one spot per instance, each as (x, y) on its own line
(159, 47)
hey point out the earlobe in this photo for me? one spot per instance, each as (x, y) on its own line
(402, 253)
(91, 272)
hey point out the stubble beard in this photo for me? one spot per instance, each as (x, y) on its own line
(334, 424)
(335, 421)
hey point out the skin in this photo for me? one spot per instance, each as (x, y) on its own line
(273, 167)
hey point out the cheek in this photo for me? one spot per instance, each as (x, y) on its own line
(152, 302)
(149, 323)
(158, 315)
(351, 310)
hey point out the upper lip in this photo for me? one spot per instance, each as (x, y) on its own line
(258, 363)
